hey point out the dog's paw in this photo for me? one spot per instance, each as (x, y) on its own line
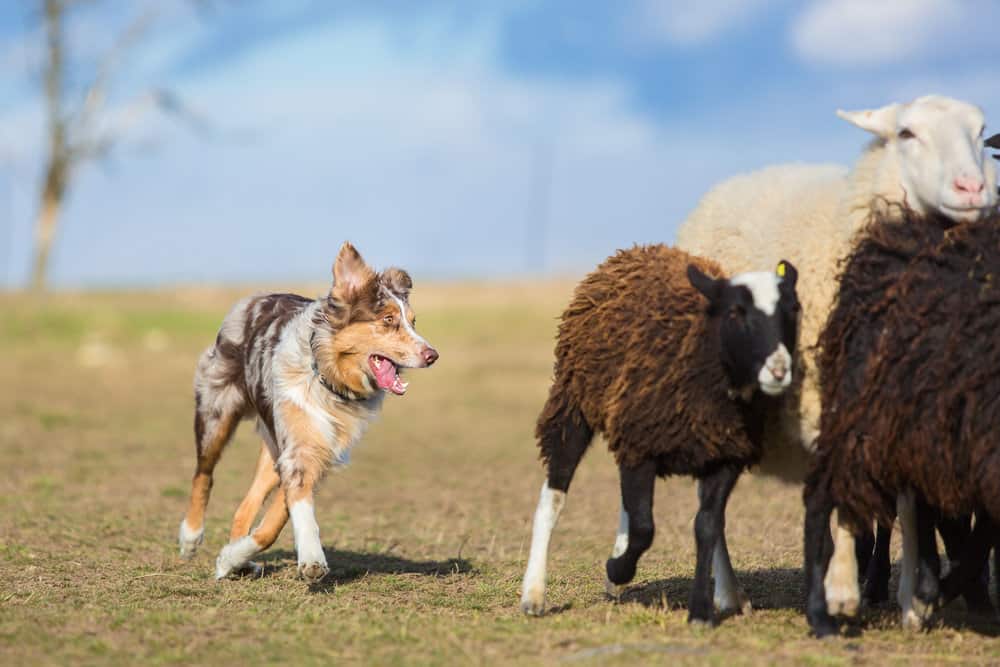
(313, 573)
(533, 601)
(235, 557)
(189, 540)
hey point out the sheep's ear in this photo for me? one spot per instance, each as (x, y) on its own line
(350, 272)
(788, 273)
(880, 122)
(710, 287)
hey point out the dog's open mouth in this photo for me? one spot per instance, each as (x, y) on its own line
(386, 374)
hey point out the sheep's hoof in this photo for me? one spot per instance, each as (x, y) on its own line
(740, 605)
(842, 600)
(701, 623)
(824, 627)
(613, 590)
(533, 602)
(916, 616)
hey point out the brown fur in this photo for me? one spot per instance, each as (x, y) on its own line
(911, 392)
(636, 359)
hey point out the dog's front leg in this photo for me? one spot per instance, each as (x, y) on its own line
(301, 465)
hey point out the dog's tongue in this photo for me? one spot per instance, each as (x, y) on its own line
(388, 379)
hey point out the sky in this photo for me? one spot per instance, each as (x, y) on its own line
(454, 139)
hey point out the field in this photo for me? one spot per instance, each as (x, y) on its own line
(426, 532)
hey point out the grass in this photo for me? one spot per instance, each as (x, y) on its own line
(426, 532)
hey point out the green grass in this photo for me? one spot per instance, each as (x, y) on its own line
(426, 532)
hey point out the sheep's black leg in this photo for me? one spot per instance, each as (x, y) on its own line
(637, 500)
(713, 492)
(879, 567)
(818, 550)
(969, 562)
(864, 544)
(956, 533)
(928, 561)
(564, 439)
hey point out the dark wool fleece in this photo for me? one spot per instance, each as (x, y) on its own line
(910, 370)
(639, 358)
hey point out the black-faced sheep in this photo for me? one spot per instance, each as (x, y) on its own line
(911, 396)
(678, 368)
(926, 154)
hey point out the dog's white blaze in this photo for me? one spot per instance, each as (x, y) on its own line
(621, 539)
(763, 285)
(407, 327)
(550, 504)
(780, 358)
(235, 555)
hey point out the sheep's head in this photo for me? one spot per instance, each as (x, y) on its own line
(934, 148)
(757, 315)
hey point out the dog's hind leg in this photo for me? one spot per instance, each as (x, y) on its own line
(217, 414)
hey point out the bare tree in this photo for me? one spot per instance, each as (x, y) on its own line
(79, 132)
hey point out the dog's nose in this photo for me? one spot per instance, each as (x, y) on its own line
(429, 355)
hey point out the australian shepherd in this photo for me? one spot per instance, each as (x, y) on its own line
(313, 373)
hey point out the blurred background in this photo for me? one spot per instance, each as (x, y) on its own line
(224, 141)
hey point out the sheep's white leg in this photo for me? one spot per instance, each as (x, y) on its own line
(907, 512)
(621, 544)
(550, 504)
(728, 595)
(843, 595)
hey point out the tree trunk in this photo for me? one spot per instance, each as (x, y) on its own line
(45, 233)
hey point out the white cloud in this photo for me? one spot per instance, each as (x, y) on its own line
(689, 23)
(869, 32)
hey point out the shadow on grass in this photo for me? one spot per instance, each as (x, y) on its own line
(784, 588)
(348, 566)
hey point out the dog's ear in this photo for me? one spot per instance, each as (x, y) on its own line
(350, 274)
(397, 281)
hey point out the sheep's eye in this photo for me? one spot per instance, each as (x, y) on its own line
(388, 320)
(906, 133)
(737, 312)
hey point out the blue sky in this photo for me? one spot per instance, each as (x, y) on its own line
(455, 139)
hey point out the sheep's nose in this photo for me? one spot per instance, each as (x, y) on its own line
(429, 355)
(969, 184)
(778, 372)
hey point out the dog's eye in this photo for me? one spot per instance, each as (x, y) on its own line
(388, 320)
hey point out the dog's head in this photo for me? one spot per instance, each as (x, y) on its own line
(370, 335)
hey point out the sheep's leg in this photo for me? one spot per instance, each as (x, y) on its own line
(843, 595)
(864, 547)
(929, 564)
(621, 544)
(709, 524)
(565, 441)
(818, 550)
(729, 597)
(956, 533)
(906, 513)
(637, 499)
(879, 568)
(969, 563)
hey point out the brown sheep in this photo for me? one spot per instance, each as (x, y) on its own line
(678, 367)
(911, 396)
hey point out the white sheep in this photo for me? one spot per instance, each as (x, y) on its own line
(926, 154)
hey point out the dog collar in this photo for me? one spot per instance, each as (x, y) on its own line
(326, 384)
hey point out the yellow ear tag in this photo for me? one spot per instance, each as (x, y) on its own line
(780, 270)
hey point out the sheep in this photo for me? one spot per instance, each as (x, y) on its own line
(926, 154)
(910, 395)
(677, 386)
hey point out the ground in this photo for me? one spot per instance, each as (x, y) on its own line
(426, 532)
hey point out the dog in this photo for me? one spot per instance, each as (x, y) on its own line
(313, 373)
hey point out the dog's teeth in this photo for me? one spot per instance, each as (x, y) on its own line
(404, 385)
(378, 362)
